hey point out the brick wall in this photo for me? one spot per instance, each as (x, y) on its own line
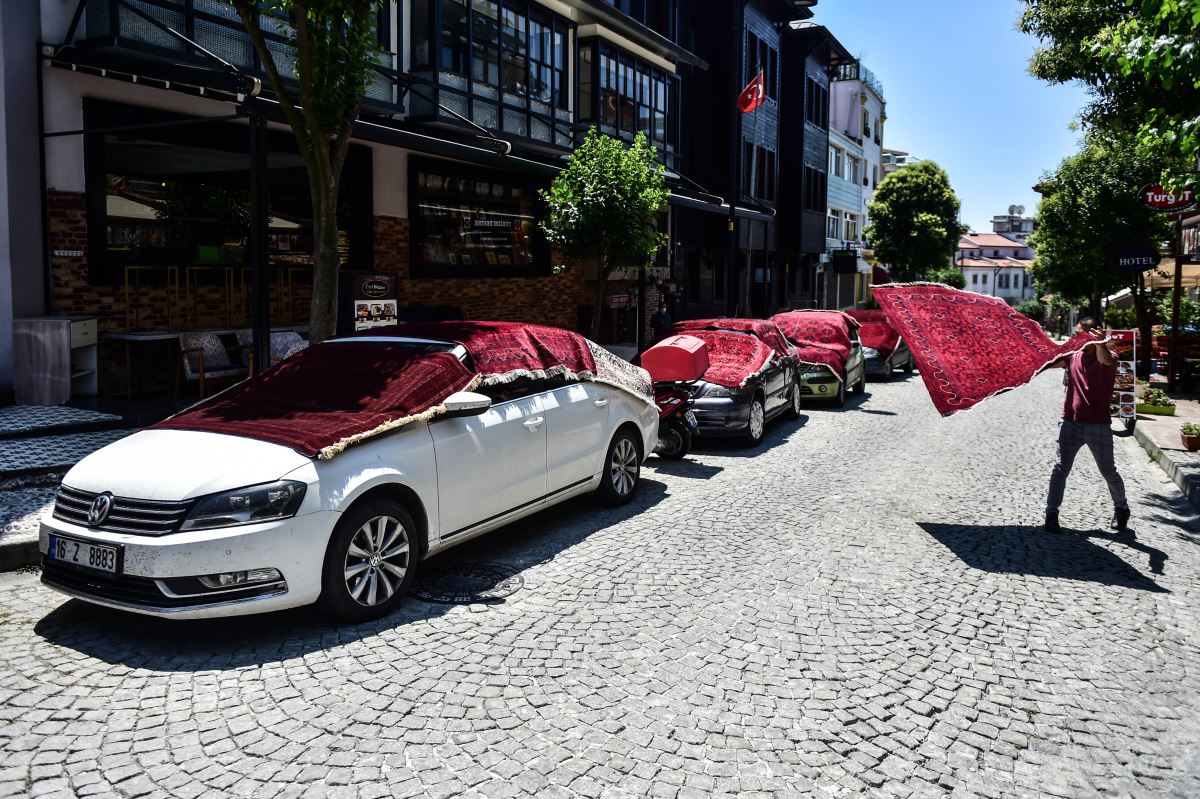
(210, 302)
(544, 300)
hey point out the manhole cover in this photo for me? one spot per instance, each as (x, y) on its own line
(468, 584)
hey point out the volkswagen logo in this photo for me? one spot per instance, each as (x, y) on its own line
(101, 506)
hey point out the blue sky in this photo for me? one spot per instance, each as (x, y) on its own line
(958, 91)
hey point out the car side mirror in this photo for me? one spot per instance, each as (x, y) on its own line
(465, 403)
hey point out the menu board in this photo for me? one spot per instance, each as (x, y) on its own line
(374, 301)
(1123, 343)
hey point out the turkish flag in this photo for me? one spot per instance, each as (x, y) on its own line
(752, 96)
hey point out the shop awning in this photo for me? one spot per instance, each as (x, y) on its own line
(1163, 277)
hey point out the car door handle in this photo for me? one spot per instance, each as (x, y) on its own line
(534, 423)
(600, 403)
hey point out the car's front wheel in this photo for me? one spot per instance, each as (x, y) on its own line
(622, 469)
(370, 562)
(756, 422)
(841, 395)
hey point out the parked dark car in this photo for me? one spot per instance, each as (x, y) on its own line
(884, 351)
(748, 382)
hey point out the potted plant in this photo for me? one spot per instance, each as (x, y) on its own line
(1155, 401)
(1190, 433)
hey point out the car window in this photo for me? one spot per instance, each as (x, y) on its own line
(521, 387)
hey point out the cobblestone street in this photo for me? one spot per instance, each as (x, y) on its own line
(866, 606)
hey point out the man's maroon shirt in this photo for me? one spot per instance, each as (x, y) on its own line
(1089, 388)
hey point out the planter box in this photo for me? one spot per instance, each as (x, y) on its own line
(1156, 410)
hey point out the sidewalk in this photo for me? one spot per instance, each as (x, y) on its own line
(1159, 436)
(38, 444)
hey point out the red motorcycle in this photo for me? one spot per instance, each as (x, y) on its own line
(674, 364)
(676, 422)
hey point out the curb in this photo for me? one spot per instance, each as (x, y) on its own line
(1188, 479)
(19, 555)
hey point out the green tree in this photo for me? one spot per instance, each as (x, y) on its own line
(914, 220)
(1155, 54)
(335, 45)
(605, 206)
(1139, 61)
(1089, 215)
(1032, 308)
(948, 275)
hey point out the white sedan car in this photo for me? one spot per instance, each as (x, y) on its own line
(192, 524)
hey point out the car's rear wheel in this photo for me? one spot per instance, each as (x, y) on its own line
(622, 469)
(888, 366)
(794, 409)
(370, 562)
(908, 366)
(756, 422)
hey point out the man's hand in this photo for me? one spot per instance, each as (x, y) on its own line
(1103, 353)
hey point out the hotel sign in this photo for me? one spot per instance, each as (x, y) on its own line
(1139, 260)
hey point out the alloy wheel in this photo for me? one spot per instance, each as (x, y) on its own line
(377, 560)
(624, 466)
(757, 420)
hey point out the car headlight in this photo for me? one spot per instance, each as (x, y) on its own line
(250, 505)
(869, 352)
(717, 391)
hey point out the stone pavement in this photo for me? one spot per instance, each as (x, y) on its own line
(866, 606)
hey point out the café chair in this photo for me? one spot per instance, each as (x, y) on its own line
(284, 344)
(205, 359)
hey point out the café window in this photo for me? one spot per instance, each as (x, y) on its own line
(169, 204)
(472, 222)
(624, 96)
(504, 65)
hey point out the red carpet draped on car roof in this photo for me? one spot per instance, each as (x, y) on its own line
(968, 346)
(733, 358)
(768, 332)
(504, 351)
(820, 337)
(875, 331)
(329, 396)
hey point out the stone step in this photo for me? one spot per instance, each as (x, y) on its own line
(22, 421)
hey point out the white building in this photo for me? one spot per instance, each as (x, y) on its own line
(1014, 225)
(891, 160)
(996, 265)
(856, 115)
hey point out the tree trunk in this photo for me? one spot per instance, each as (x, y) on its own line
(326, 262)
(598, 299)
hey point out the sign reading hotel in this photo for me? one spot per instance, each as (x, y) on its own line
(1139, 260)
(1156, 198)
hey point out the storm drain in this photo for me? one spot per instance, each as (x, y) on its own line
(468, 584)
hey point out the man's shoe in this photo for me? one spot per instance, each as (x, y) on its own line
(1051, 525)
(1120, 520)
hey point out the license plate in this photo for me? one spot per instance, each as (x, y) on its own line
(691, 417)
(81, 553)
